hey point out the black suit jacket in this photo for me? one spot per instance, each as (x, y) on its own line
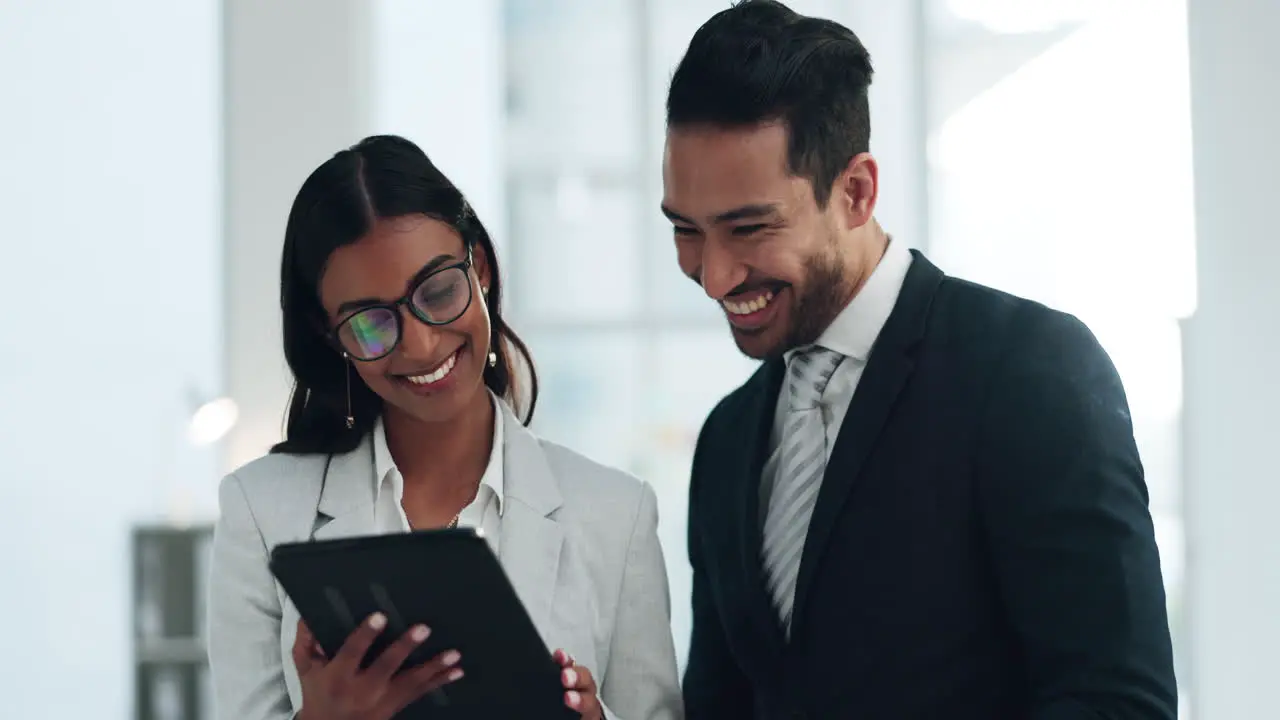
(981, 546)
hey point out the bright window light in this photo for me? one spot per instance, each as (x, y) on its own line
(212, 420)
(1078, 164)
(1027, 16)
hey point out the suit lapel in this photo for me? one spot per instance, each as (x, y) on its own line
(889, 366)
(345, 507)
(758, 417)
(531, 538)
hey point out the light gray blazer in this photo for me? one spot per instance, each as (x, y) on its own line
(578, 541)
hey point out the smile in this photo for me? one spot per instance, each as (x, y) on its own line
(752, 304)
(752, 311)
(437, 375)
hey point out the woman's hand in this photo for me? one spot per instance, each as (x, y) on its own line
(337, 689)
(580, 688)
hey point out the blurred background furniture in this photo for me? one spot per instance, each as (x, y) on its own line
(170, 567)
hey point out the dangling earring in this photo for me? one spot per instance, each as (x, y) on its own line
(346, 371)
(493, 356)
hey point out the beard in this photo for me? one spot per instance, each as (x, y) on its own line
(820, 296)
(824, 295)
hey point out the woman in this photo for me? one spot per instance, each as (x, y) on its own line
(401, 418)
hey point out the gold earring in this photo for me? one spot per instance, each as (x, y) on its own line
(493, 359)
(346, 371)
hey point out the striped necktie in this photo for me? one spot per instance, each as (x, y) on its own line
(802, 461)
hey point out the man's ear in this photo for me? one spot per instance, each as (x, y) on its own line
(856, 189)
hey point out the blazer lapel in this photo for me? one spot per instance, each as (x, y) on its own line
(888, 368)
(746, 478)
(345, 507)
(531, 538)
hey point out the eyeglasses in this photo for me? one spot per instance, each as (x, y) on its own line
(439, 298)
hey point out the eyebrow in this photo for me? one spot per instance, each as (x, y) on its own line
(433, 265)
(745, 212)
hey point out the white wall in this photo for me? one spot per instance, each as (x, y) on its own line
(1232, 356)
(893, 32)
(306, 78)
(297, 91)
(108, 239)
(439, 79)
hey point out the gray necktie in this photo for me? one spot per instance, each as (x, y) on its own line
(801, 464)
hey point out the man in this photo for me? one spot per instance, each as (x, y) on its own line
(927, 502)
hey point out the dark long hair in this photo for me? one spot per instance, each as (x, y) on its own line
(383, 176)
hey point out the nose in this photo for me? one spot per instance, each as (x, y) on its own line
(721, 272)
(418, 340)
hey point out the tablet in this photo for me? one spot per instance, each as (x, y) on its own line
(448, 580)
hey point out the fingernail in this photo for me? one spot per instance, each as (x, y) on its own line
(454, 674)
(451, 658)
(571, 678)
(377, 621)
(419, 633)
(574, 698)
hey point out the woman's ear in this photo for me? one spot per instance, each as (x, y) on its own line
(480, 261)
(321, 330)
(324, 334)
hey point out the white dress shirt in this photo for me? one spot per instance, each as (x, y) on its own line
(484, 513)
(852, 333)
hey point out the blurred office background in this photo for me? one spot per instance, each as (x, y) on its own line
(1113, 158)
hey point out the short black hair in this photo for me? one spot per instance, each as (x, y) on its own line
(760, 61)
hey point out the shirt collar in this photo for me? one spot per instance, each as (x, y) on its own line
(854, 330)
(385, 471)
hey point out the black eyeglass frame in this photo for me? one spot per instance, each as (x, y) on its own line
(406, 300)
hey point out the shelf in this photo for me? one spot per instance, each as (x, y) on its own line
(170, 659)
(171, 651)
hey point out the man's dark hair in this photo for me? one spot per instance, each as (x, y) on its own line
(759, 62)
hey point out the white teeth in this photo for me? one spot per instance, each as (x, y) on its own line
(438, 374)
(746, 308)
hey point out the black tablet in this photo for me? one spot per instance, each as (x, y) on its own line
(448, 580)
